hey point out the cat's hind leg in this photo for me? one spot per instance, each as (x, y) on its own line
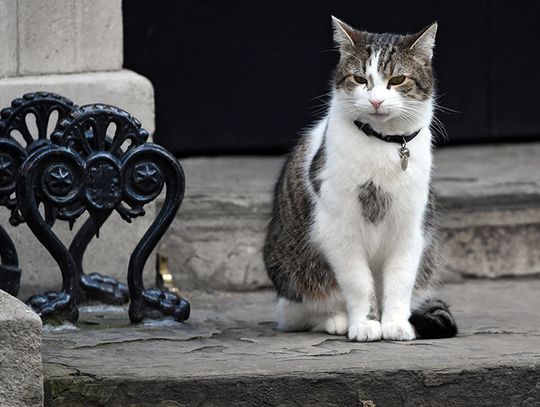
(292, 316)
(319, 316)
(333, 324)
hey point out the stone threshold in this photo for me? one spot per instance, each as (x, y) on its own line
(488, 201)
(228, 353)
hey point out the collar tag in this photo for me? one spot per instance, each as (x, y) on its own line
(404, 152)
(404, 155)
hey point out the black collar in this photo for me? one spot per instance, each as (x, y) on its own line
(390, 138)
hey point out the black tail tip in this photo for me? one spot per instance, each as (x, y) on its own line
(434, 321)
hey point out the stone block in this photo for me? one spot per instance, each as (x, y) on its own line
(490, 209)
(492, 243)
(21, 376)
(8, 33)
(217, 237)
(65, 36)
(126, 89)
(489, 212)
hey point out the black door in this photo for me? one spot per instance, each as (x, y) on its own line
(241, 76)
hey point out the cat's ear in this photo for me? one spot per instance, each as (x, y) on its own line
(343, 33)
(424, 41)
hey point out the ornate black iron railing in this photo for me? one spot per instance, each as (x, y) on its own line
(84, 167)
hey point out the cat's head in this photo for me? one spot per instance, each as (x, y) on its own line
(385, 80)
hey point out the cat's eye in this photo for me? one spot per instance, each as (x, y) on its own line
(359, 79)
(396, 80)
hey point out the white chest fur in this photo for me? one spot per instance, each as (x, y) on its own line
(353, 160)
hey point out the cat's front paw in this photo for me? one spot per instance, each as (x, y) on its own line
(368, 331)
(398, 331)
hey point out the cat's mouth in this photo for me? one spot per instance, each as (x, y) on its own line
(379, 116)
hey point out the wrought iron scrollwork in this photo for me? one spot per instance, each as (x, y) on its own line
(88, 168)
(11, 157)
(10, 274)
(13, 152)
(55, 175)
(146, 170)
(40, 107)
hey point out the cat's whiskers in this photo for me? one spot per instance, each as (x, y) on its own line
(438, 127)
(436, 124)
(323, 106)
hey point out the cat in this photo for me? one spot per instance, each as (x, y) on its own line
(353, 229)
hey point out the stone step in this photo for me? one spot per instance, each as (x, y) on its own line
(229, 354)
(488, 197)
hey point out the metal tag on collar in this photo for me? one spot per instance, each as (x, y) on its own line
(404, 155)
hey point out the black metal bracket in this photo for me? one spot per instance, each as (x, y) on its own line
(98, 161)
(15, 119)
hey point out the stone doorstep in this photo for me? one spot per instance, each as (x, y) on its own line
(21, 378)
(488, 196)
(229, 354)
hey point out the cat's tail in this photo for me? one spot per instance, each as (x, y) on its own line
(433, 320)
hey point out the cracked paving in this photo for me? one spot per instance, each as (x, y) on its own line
(232, 335)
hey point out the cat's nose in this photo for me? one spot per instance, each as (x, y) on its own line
(376, 103)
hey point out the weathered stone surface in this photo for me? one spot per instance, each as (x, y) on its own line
(492, 242)
(500, 176)
(21, 376)
(489, 202)
(66, 36)
(228, 352)
(126, 89)
(8, 33)
(217, 237)
(490, 207)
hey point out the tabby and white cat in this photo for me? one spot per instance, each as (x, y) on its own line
(352, 231)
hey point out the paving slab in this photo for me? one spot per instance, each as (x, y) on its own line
(228, 353)
(488, 202)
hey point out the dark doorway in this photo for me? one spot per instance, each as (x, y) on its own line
(242, 77)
